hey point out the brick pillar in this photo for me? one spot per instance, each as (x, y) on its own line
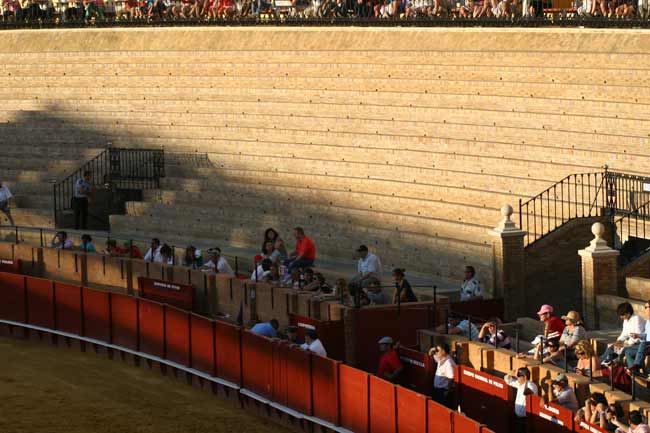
(509, 265)
(599, 274)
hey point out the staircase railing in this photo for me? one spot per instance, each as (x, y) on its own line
(116, 167)
(633, 232)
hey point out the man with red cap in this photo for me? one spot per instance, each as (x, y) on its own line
(553, 325)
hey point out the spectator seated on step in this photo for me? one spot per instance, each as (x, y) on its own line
(633, 328)
(268, 329)
(271, 253)
(368, 269)
(153, 254)
(550, 353)
(573, 332)
(61, 241)
(293, 279)
(305, 253)
(372, 295)
(403, 291)
(588, 364)
(272, 236)
(597, 411)
(553, 325)
(129, 249)
(460, 326)
(471, 288)
(274, 277)
(217, 263)
(87, 244)
(262, 271)
(313, 344)
(558, 391)
(193, 257)
(491, 334)
(635, 356)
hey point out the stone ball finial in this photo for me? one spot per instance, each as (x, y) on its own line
(598, 229)
(506, 211)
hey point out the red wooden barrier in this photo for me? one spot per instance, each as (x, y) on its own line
(419, 369)
(548, 419)
(177, 335)
(257, 364)
(40, 302)
(11, 266)
(383, 418)
(124, 320)
(152, 327)
(68, 309)
(202, 342)
(96, 314)
(354, 399)
(482, 396)
(411, 411)
(462, 424)
(178, 295)
(325, 385)
(14, 297)
(228, 347)
(299, 395)
(280, 373)
(439, 418)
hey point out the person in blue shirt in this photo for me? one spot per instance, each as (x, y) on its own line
(267, 329)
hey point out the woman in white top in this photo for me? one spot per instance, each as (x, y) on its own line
(443, 380)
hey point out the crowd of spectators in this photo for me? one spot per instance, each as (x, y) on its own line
(206, 10)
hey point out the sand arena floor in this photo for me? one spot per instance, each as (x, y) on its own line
(47, 389)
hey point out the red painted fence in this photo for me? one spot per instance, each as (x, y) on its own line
(307, 383)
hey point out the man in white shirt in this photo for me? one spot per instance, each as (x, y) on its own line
(521, 381)
(313, 344)
(82, 188)
(471, 288)
(217, 263)
(635, 355)
(443, 380)
(5, 201)
(153, 254)
(633, 327)
(262, 271)
(368, 270)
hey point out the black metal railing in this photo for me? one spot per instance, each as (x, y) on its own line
(633, 232)
(583, 195)
(114, 167)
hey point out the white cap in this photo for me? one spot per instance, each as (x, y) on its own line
(385, 340)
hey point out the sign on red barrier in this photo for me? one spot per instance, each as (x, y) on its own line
(325, 383)
(257, 364)
(483, 382)
(383, 418)
(202, 341)
(354, 399)
(11, 266)
(124, 320)
(549, 418)
(177, 335)
(585, 427)
(178, 295)
(68, 308)
(152, 327)
(96, 314)
(439, 418)
(227, 340)
(40, 302)
(13, 295)
(411, 411)
(299, 396)
(419, 369)
(482, 396)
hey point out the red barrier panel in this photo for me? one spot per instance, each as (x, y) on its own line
(178, 295)
(13, 297)
(69, 317)
(177, 335)
(257, 364)
(40, 302)
(383, 418)
(419, 369)
(124, 320)
(202, 342)
(550, 418)
(299, 395)
(439, 418)
(483, 395)
(325, 386)
(152, 327)
(354, 391)
(585, 427)
(411, 411)
(462, 424)
(227, 340)
(280, 373)
(96, 314)
(11, 266)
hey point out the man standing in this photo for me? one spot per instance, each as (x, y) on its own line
(443, 380)
(390, 366)
(82, 188)
(313, 344)
(521, 381)
(368, 270)
(5, 200)
(305, 253)
(471, 288)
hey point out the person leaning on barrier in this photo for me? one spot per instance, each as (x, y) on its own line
(313, 344)
(5, 201)
(292, 335)
(403, 291)
(390, 366)
(87, 244)
(217, 263)
(267, 329)
(520, 380)
(491, 334)
(458, 326)
(557, 390)
(61, 241)
(443, 380)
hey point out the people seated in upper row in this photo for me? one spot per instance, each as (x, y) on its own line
(368, 270)
(630, 337)
(217, 263)
(491, 334)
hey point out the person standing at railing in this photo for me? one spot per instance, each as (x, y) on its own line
(471, 287)
(153, 255)
(443, 380)
(520, 380)
(5, 200)
(403, 291)
(390, 366)
(82, 189)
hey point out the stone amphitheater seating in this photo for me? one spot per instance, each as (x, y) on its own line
(408, 140)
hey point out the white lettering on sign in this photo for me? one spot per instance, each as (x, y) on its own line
(550, 418)
(166, 285)
(6, 262)
(552, 409)
(484, 379)
(588, 427)
(412, 361)
(307, 326)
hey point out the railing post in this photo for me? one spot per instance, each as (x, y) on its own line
(435, 306)
(56, 216)
(41, 233)
(131, 248)
(236, 265)
(16, 230)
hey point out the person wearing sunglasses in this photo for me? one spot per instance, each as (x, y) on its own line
(635, 355)
(588, 362)
(552, 354)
